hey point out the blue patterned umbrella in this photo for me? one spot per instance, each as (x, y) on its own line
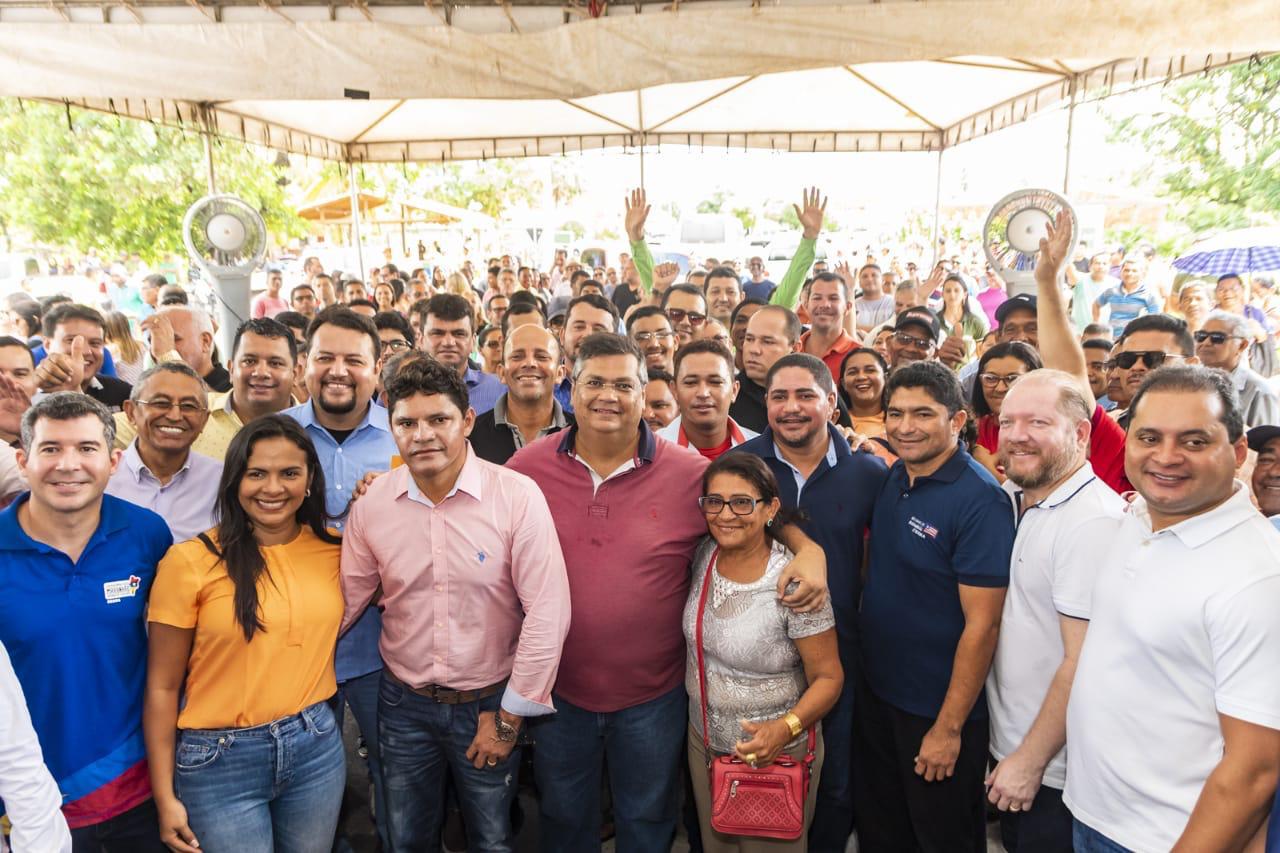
(1243, 251)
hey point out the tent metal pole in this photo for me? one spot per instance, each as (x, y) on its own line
(937, 207)
(1071, 123)
(640, 117)
(355, 217)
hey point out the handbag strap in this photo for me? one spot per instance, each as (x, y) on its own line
(811, 749)
(702, 669)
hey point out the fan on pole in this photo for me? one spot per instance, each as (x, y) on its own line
(227, 240)
(1011, 235)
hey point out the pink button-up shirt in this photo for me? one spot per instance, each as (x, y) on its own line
(474, 588)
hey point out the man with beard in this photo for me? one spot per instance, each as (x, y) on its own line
(352, 437)
(723, 292)
(530, 368)
(704, 390)
(835, 489)
(263, 369)
(829, 308)
(1067, 517)
(650, 329)
(1172, 722)
(941, 535)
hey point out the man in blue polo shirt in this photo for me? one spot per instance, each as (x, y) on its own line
(1127, 301)
(941, 537)
(836, 489)
(352, 437)
(76, 567)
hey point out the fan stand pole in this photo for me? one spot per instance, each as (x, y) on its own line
(208, 162)
(355, 217)
(937, 207)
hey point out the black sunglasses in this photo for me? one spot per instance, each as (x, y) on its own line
(1215, 338)
(1151, 359)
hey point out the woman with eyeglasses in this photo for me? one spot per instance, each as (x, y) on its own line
(243, 622)
(998, 369)
(770, 673)
(957, 316)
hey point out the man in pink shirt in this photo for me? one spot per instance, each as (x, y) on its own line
(270, 303)
(476, 609)
(626, 512)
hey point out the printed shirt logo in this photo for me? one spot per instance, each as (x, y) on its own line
(922, 528)
(113, 591)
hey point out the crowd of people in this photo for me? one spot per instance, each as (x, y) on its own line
(961, 555)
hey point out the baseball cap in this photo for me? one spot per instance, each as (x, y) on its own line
(1013, 303)
(1260, 435)
(921, 318)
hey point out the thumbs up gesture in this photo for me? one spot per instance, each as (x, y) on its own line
(63, 371)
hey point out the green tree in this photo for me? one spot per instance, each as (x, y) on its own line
(87, 180)
(1215, 151)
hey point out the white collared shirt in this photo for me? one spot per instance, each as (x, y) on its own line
(1183, 629)
(30, 795)
(1060, 544)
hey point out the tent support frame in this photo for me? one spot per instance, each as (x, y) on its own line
(355, 217)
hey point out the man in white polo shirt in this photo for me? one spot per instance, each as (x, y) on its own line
(1174, 716)
(1067, 519)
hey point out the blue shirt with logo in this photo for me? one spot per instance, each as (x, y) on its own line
(952, 527)
(76, 634)
(369, 447)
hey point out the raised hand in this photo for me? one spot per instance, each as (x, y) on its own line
(62, 372)
(637, 212)
(664, 275)
(812, 213)
(1053, 248)
(846, 274)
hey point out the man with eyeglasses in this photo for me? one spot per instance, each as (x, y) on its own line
(915, 338)
(625, 507)
(158, 470)
(686, 308)
(1223, 342)
(652, 332)
(1148, 343)
(836, 489)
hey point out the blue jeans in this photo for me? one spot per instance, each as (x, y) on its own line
(421, 741)
(644, 746)
(833, 815)
(361, 693)
(1088, 840)
(274, 788)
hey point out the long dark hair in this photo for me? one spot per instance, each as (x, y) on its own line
(240, 552)
(1015, 349)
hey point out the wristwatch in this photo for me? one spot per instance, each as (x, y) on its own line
(506, 732)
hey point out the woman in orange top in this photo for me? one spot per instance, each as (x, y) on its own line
(862, 376)
(247, 616)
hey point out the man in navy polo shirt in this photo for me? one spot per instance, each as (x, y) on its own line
(76, 567)
(836, 489)
(941, 537)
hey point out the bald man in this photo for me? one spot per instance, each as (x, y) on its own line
(186, 334)
(530, 368)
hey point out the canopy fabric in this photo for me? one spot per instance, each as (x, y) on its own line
(899, 75)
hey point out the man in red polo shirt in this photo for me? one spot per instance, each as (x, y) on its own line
(829, 309)
(625, 508)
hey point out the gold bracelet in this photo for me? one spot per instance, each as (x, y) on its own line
(793, 723)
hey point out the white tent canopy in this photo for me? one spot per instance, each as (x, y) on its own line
(399, 80)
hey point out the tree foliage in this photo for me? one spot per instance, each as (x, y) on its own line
(1215, 151)
(86, 180)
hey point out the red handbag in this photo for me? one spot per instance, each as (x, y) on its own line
(764, 802)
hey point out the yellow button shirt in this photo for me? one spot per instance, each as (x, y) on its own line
(286, 667)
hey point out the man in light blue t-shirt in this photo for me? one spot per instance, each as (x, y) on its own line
(1128, 301)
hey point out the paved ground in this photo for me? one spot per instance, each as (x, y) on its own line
(357, 824)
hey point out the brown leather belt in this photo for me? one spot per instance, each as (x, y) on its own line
(447, 695)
